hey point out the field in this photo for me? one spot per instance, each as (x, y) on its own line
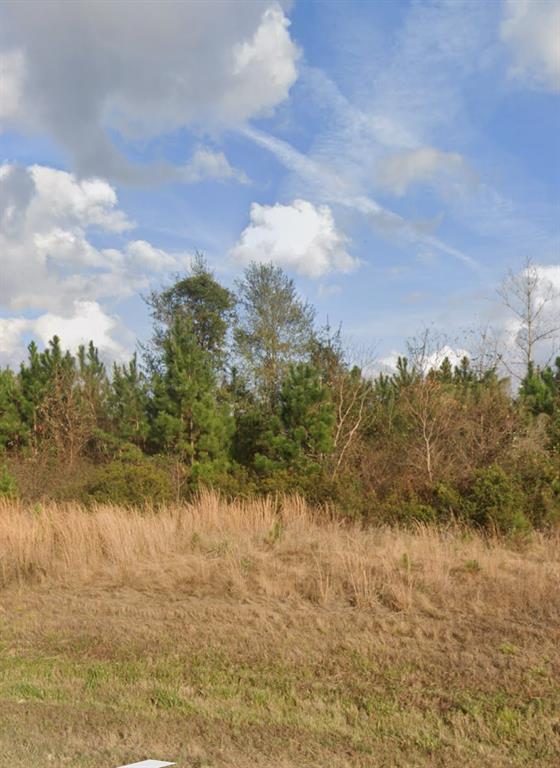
(265, 634)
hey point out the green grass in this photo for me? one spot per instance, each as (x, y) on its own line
(376, 699)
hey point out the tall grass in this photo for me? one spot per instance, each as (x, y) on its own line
(282, 549)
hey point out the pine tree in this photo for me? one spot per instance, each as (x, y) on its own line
(34, 380)
(93, 384)
(301, 433)
(189, 418)
(538, 389)
(128, 402)
(203, 302)
(14, 432)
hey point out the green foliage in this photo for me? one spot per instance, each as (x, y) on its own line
(189, 417)
(130, 483)
(127, 403)
(300, 435)
(540, 387)
(537, 473)
(14, 432)
(8, 485)
(240, 392)
(407, 510)
(473, 566)
(448, 500)
(200, 300)
(275, 329)
(494, 500)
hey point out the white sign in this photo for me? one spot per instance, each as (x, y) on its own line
(147, 764)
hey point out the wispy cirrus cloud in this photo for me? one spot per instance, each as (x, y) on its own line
(330, 187)
(397, 172)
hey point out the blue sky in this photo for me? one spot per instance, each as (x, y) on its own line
(396, 158)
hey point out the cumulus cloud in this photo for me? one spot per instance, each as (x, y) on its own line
(432, 361)
(48, 257)
(324, 181)
(11, 332)
(545, 302)
(301, 237)
(532, 30)
(399, 171)
(550, 274)
(86, 321)
(80, 70)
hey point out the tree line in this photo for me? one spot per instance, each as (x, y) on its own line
(241, 391)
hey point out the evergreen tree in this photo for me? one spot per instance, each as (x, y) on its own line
(14, 432)
(93, 383)
(189, 418)
(538, 389)
(301, 433)
(203, 302)
(128, 402)
(34, 379)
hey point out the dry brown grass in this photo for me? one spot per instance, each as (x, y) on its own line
(278, 549)
(267, 635)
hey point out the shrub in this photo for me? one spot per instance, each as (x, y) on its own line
(130, 484)
(407, 510)
(538, 474)
(8, 485)
(495, 501)
(448, 500)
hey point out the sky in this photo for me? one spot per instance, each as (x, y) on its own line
(395, 157)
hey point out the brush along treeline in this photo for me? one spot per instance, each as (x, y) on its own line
(241, 392)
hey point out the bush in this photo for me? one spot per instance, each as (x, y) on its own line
(131, 484)
(448, 500)
(494, 500)
(8, 485)
(407, 510)
(538, 474)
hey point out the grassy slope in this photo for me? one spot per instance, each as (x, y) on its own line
(247, 645)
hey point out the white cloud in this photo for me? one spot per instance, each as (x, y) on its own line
(11, 331)
(87, 321)
(432, 361)
(409, 91)
(206, 164)
(550, 274)
(86, 203)
(264, 67)
(301, 237)
(398, 171)
(510, 330)
(47, 256)
(11, 84)
(532, 30)
(77, 70)
(143, 254)
(324, 182)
